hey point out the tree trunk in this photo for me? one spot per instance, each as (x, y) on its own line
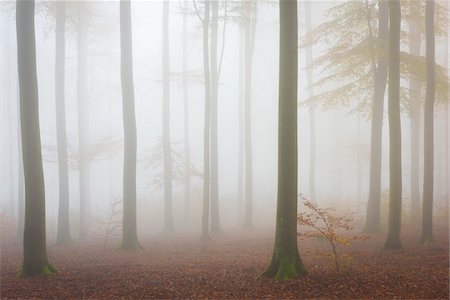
(83, 125)
(250, 31)
(63, 230)
(395, 135)
(372, 224)
(20, 178)
(35, 260)
(427, 221)
(187, 153)
(312, 117)
(215, 216)
(168, 224)
(240, 176)
(286, 262)
(414, 98)
(129, 231)
(206, 130)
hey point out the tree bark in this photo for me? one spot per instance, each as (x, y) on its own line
(427, 220)
(250, 31)
(312, 115)
(395, 136)
(414, 104)
(63, 231)
(215, 216)
(286, 262)
(240, 176)
(168, 224)
(35, 260)
(207, 124)
(129, 231)
(83, 124)
(187, 153)
(372, 224)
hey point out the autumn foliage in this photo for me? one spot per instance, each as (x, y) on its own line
(325, 223)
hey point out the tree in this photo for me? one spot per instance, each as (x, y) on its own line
(380, 77)
(83, 119)
(395, 138)
(187, 153)
(414, 44)
(286, 262)
(207, 118)
(215, 216)
(240, 100)
(129, 231)
(63, 230)
(427, 221)
(312, 118)
(249, 42)
(168, 225)
(35, 260)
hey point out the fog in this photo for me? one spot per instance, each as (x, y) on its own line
(340, 133)
(334, 132)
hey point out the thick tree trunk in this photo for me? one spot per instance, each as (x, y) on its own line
(427, 221)
(250, 31)
(395, 135)
(129, 231)
(168, 224)
(414, 104)
(63, 230)
(372, 224)
(215, 216)
(312, 113)
(35, 260)
(83, 125)
(187, 153)
(286, 262)
(206, 130)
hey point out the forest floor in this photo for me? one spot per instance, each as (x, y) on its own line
(228, 266)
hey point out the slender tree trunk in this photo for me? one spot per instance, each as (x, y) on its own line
(35, 260)
(372, 224)
(215, 216)
(286, 262)
(187, 153)
(250, 31)
(63, 231)
(129, 231)
(83, 125)
(414, 98)
(168, 225)
(395, 135)
(427, 221)
(358, 166)
(20, 178)
(312, 117)
(240, 176)
(206, 132)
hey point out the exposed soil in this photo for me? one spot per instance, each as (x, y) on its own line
(228, 266)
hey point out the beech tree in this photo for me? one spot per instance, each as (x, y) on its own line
(427, 220)
(379, 69)
(168, 223)
(286, 262)
(35, 260)
(129, 231)
(63, 231)
(395, 136)
(249, 42)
